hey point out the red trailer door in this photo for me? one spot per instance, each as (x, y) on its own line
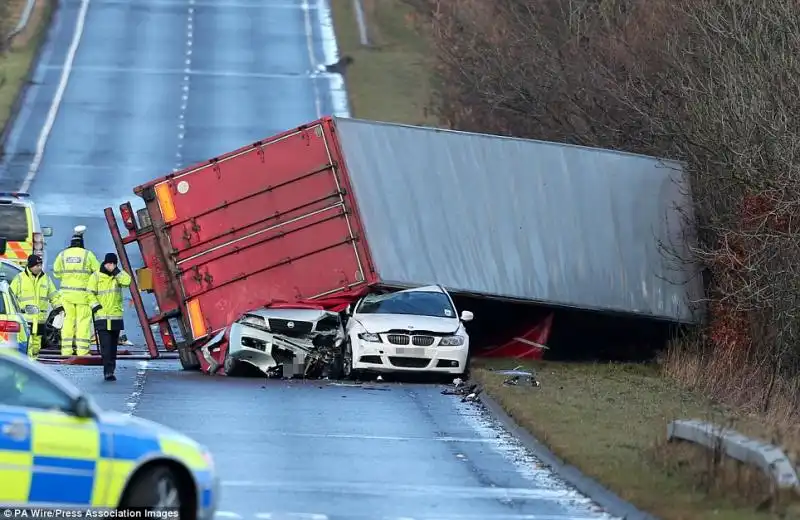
(271, 221)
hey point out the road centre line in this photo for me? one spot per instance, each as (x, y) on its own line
(195, 72)
(182, 3)
(52, 112)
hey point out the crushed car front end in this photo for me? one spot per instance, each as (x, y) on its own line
(286, 342)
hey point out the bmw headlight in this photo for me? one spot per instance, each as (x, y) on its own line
(368, 336)
(452, 341)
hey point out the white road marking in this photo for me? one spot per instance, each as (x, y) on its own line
(52, 112)
(311, 57)
(195, 72)
(136, 395)
(291, 516)
(217, 5)
(501, 516)
(452, 492)
(185, 85)
(469, 440)
(337, 87)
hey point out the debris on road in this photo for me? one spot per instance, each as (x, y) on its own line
(468, 391)
(520, 378)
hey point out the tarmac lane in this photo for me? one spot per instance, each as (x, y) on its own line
(326, 450)
(252, 73)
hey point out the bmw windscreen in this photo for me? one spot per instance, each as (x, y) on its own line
(417, 303)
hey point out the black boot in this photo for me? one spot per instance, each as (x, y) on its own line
(110, 377)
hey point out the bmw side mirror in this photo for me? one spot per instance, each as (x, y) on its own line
(466, 316)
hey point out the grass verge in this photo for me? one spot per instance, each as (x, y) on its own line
(17, 60)
(389, 79)
(608, 420)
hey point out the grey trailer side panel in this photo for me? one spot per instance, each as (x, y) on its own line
(522, 219)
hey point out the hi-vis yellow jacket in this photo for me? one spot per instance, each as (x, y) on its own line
(74, 266)
(105, 291)
(35, 294)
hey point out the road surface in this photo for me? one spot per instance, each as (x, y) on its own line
(154, 85)
(318, 450)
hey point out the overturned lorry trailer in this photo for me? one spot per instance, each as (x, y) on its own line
(340, 205)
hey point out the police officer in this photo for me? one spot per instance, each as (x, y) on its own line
(74, 266)
(105, 298)
(35, 292)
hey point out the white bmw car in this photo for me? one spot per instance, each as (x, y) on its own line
(416, 330)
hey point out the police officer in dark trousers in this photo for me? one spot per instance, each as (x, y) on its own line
(105, 298)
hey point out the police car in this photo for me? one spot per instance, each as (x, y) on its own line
(20, 232)
(14, 331)
(58, 449)
(52, 327)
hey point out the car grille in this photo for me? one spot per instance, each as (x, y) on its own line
(409, 362)
(404, 339)
(282, 326)
(422, 341)
(398, 339)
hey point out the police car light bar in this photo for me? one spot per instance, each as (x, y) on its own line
(18, 194)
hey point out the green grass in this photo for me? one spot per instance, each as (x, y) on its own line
(389, 80)
(610, 421)
(16, 61)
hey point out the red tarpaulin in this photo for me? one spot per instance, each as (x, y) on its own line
(528, 345)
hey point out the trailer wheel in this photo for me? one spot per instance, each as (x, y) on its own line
(188, 358)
